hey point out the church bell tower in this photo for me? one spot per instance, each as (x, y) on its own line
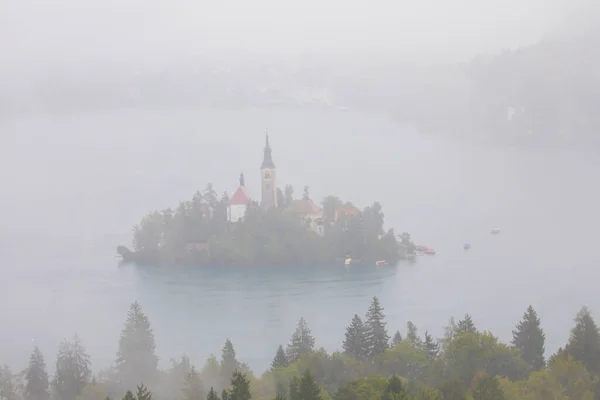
(267, 178)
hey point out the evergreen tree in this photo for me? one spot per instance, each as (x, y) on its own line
(295, 389)
(143, 393)
(308, 388)
(529, 338)
(280, 360)
(136, 359)
(452, 390)
(430, 346)
(72, 372)
(36, 377)
(396, 339)
(129, 396)
(412, 335)
(376, 335)
(302, 342)
(225, 395)
(487, 388)
(229, 363)
(212, 394)
(355, 343)
(395, 390)
(584, 342)
(240, 387)
(192, 386)
(466, 325)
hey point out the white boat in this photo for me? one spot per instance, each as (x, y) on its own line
(495, 231)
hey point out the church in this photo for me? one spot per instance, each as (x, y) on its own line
(309, 211)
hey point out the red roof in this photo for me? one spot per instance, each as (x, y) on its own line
(304, 207)
(240, 197)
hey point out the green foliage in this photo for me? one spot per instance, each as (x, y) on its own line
(529, 338)
(308, 388)
(487, 388)
(72, 372)
(36, 377)
(355, 342)
(395, 390)
(143, 393)
(412, 335)
(229, 363)
(396, 339)
(129, 395)
(466, 325)
(136, 359)
(376, 335)
(212, 394)
(302, 342)
(430, 346)
(192, 386)
(240, 387)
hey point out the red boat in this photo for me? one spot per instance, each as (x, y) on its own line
(430, 251)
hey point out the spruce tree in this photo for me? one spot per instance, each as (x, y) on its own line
(129, 395)
(397, 339)
(225, 395)
(143, 393)
(584, 342)
(192, 386)
(430, 346)
(376, 335)
(229, 363)
(487, 388)
(529, 338)
(212, 394)
(136, 358)
(412, 335)
(302, 342)
(355, 343)
(280, 360)
(395, 389)
(72, 372)
(36, 377)
(295, 389)
(466, 325)
(308, 388)
(240, 387)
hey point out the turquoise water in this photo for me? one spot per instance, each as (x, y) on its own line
(74, 185)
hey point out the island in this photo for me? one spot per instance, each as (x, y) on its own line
(277, 231)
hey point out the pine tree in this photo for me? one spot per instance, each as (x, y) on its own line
(487, 388)
(225, 395)
(430, 346)
(412, 335)
(212, 394)
(395, 390)
(72, 372)
(376, 334)
(192, 386)
(229, 363)
(136, 358)
(584, 342)
(143, 393)
(240, 387)
(129, 396)
(308, 388)
(397, 339)
(9, 385)
(355, 343)
(36, 377)
(280, 360)
(466, 325)
(302, 342)
(529, 338)
(295, 389)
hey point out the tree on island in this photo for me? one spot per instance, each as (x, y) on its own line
(529, 338)
(240, 387)
(36, 377)
(466, 325)
(136, 358)
(72, 372)
(376, 335)
(229, 362)
(412, 335)
(308, 389)
(584, 341)
(280, 360)
(302, 342)
(396, 339)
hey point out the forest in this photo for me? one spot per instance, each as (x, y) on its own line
(264, 238)
(467, 363)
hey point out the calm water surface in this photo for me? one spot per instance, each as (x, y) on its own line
(73, 185)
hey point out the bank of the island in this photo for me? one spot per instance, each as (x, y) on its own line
(280, 230)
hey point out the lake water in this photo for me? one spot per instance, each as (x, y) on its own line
(73, 185)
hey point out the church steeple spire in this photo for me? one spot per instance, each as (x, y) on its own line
(267, 158)
(242, 180)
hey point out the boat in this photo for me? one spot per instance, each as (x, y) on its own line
(495, 231)
(430, 252)
(381, 262)
(466, 246)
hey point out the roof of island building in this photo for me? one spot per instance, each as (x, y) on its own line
(304, 206)
(241, 196)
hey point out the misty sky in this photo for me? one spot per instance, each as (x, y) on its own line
(41, 33)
